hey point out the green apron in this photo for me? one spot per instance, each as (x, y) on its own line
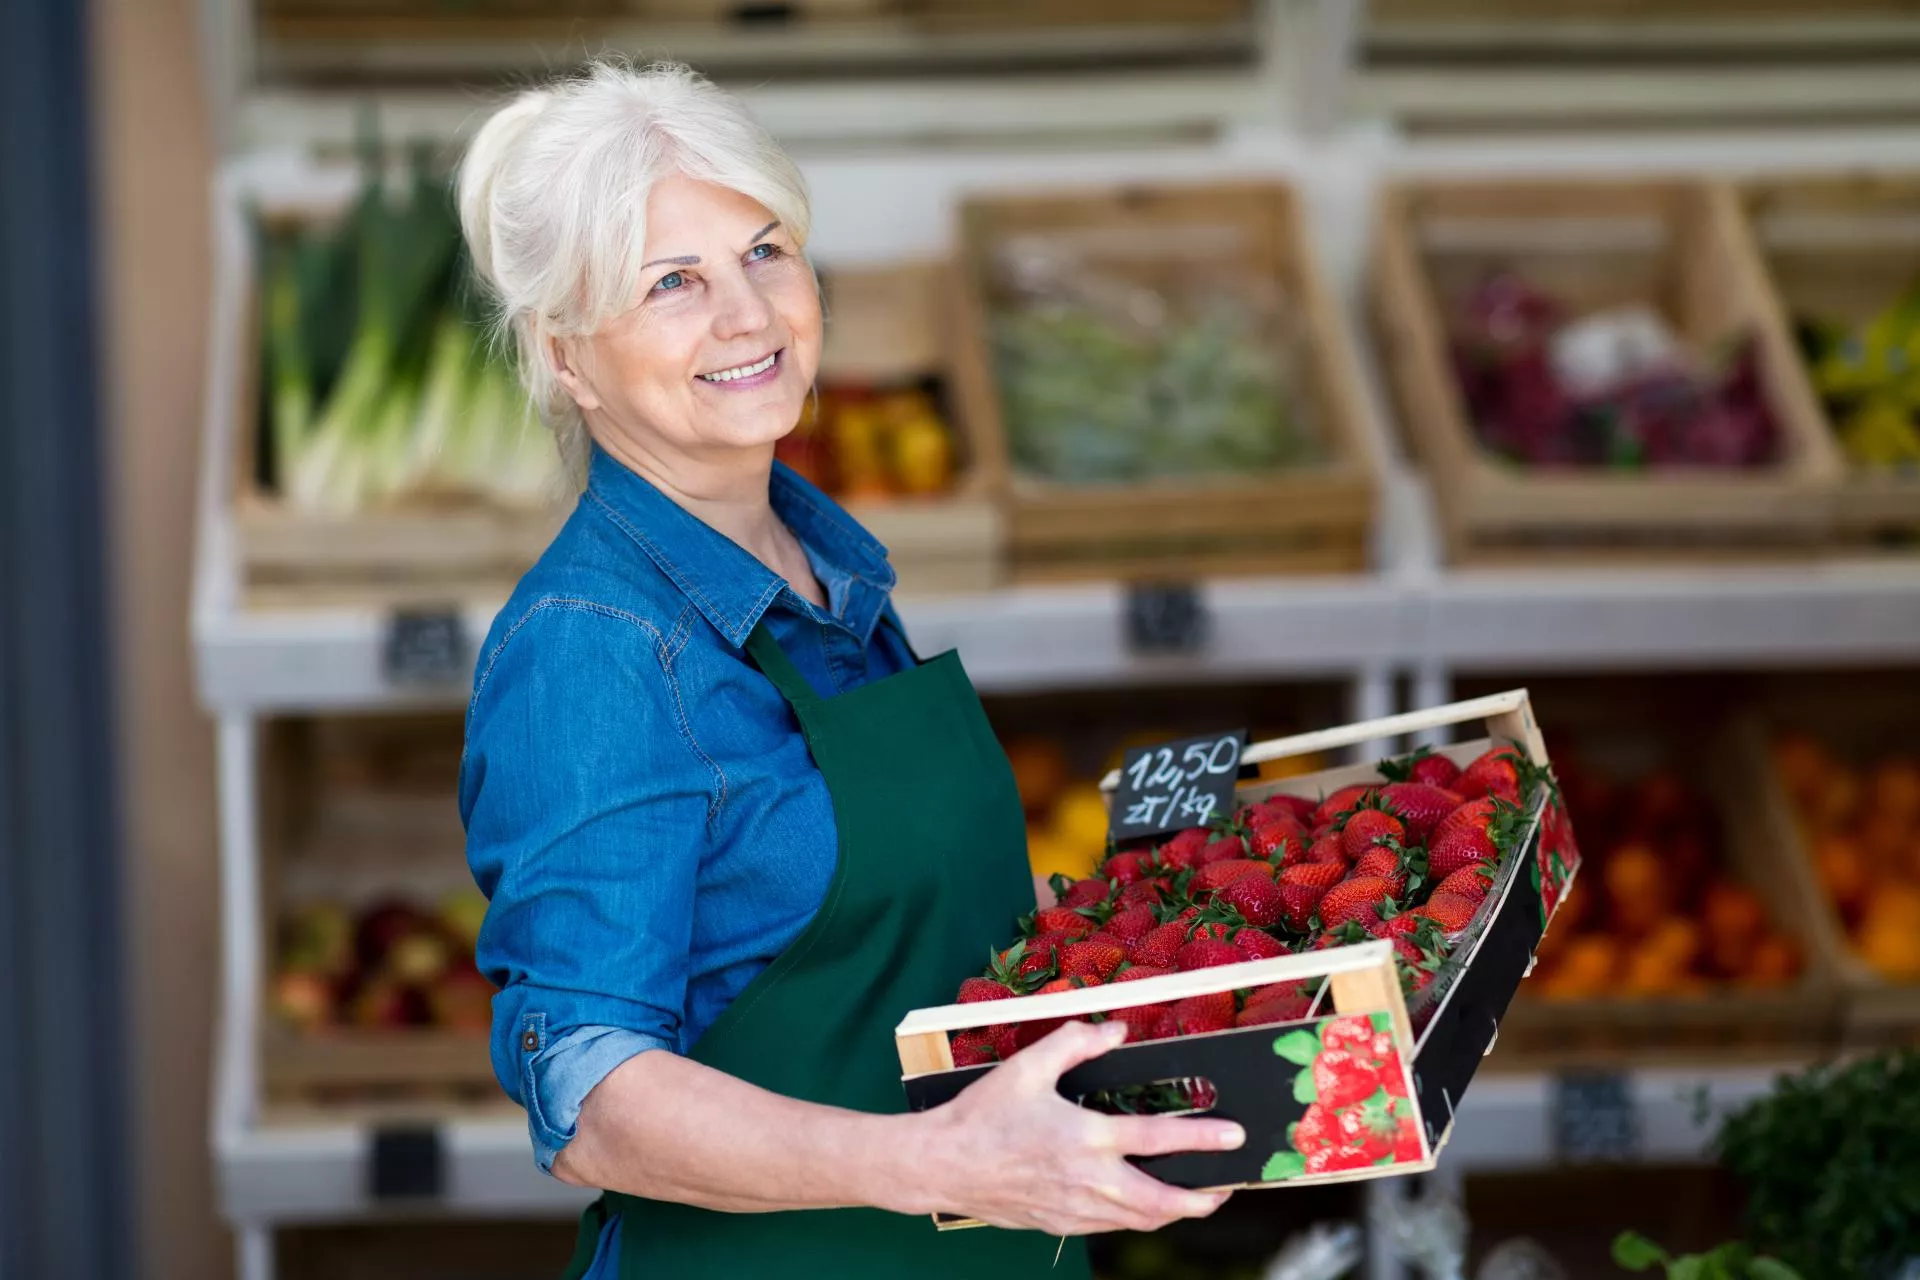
(932, 871)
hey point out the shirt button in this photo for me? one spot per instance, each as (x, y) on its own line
(530, 1041)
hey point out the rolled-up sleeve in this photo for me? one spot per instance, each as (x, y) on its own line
(586, 809)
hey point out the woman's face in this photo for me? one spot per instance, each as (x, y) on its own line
(720, 350)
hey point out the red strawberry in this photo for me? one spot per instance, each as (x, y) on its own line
(1158, 949)
(1218, 875)
(1450, 911)
(1344, 936)
(1281, 840)
(1423, 766)
(1409, 950)
(1367, 828)
(1145, 1022)
(1339, 802)
(1143, 893)
(1476, 832)
(1025, 1033)
(972, 1049)
(1368, 1130)
(1298, 806)
(1277, 991)
(1291, 1009)
(1415, 979)
(1357, 899)
(1340, 1079)
(1084, 893)
(1138, 972)
(1389, 863)
(1067, 984)
(1098, 959)
(1318, 1128)
(1209, 931)
(1348, 1033)
(1468, 882)
(1222, 850)
(1042, 954)
(1198, 1014)
(1132, 924)
(974, 990)
(1256, 944)
(1065, 920)
(1328, 848)
(1302, 887)
(1126, 868)
(1256, 898)
(1497, 773)
(1335, 1160)
(1183, 850)
(1420, 806)
(1204, 953)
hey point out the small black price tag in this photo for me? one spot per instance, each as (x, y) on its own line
(1594, 1119)
(1176, 784)
(406, 1163)
(426, 647)
(1167, 617)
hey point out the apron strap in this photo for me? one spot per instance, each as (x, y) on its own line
(776, 666)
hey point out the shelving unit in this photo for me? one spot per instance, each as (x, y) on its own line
(1410, 621)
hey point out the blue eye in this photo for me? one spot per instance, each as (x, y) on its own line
(756, 254)
(669, 282)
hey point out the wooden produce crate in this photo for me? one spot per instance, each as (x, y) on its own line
(1876, 1011)
(1311, 518)
(1259, 1075)
(889, 326)
(359, 816)
(1649, 732)
(1844, 247)
(1678, 247)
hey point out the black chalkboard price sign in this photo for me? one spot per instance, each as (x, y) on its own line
(1176, 784)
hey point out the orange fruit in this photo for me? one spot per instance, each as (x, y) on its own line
(1637, 889)
(1732, 914)
(1774, 963)
(1039, 770)
(1589, 963)
(1652, 973)
(1801, 763)
(1838, 798)
(1884, 838)
(1676, 940)
(1894, 789)
(1842, 870)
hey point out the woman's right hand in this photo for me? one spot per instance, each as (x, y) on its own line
(1012, 1152)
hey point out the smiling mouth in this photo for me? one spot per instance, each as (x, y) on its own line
(740, 372)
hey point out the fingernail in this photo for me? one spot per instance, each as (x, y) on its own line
(1232, 1137)
(1116, 1032)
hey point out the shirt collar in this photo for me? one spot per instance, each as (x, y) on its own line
(722, 579)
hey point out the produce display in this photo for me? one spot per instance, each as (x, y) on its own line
(391, 964)
(861, 443)
(380, 382)
(1617, 389)
(1868, 375)
(1862, 830)
(1103, 379)
(1410, 859)
(1656, 911)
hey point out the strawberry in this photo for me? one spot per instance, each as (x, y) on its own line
(1299, 807)
(1340, 802)
(972, 1049)
(1067, 920)
(1041, 957)
(1142, 893)
(1450, 911)
(1013, 971)
(1096, 959)
(1335, 1160)
(1369, 825)
(1204, 953)
(1415, 979)
(1318, 1128)
(1256, 898)
(1478, 831)
(1422, 766)
(1132, 924)
(1081, 893)
(1144, 1022)
(1301, 889)
(1183, 850)
(1199, 1014)
(1158, 949)
(1257, 944)
(1164, 1026)
(1340, 1079)
(1222, 850)
(1279, 840)
(1126, 868)
(974, 990)
(1357, 899)
(1369, 1130)
(1420, 806)
(1218, 875)
(1346, 935)
(1026, 1033)
(1468, 882)
(1500, 772)
(1349, 1034)
(1291, 1009)
(1067, 984)
(1391, 863)
(1278, 991)
(1409, 950)
(1136, 972)
(1213, 930)
(1328, 848)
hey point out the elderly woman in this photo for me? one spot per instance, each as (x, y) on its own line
(730, 827)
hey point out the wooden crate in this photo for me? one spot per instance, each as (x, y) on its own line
(1843, 246)
(994, 14)
(1307, 519)
(889, 325)
(1875, 1011)
(1678, 246)
(1441, 1040)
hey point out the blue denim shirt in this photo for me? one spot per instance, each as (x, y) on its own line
(641, 810)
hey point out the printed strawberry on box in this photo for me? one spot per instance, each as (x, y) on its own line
(1326, 962)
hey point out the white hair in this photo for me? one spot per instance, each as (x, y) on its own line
(553, 203)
